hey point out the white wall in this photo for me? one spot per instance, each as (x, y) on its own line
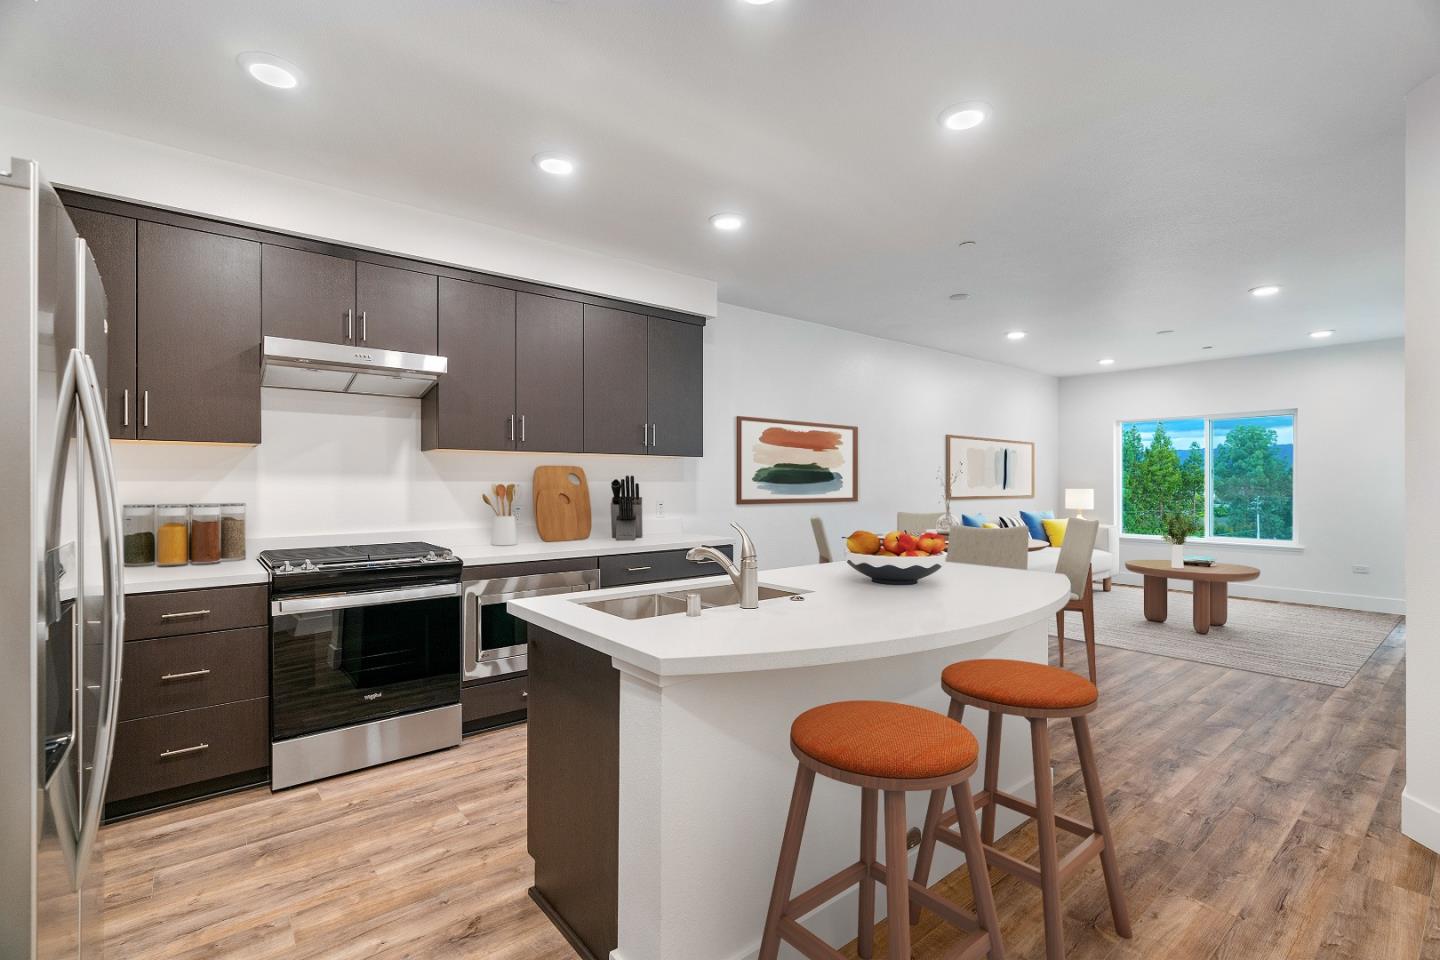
(1349, 482)
(120, 166)
(1420, 808)
(904, 399)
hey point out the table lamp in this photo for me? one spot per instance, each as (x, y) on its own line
(1079, 501)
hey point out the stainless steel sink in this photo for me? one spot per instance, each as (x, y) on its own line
(644, 606)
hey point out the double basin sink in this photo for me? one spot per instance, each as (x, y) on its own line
(644, 606)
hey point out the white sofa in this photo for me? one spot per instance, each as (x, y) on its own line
(1102, 566)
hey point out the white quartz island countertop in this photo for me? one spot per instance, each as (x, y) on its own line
(841, 618)
(471, 546)
(672, 735)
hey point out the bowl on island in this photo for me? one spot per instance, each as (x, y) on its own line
(894, 569)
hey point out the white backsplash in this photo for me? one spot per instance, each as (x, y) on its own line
(335, 464)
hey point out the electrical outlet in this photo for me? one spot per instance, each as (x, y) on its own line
(659, 508)
(1360, 568)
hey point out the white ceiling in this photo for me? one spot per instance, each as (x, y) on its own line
(1147, 163)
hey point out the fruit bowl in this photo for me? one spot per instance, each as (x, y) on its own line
(894, 569)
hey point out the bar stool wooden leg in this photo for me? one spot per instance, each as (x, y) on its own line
(789, 857)
(1089, 618)
(897, 878)
(993, 727)
(1049, 850)
(1100, 819)
(869, 810)
(978, 868)
(925, 853)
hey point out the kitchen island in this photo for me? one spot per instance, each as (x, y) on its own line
(660, 767)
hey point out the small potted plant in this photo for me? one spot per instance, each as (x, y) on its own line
(1178, 526)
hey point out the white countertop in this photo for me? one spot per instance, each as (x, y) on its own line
(844, 618)
(471, 546)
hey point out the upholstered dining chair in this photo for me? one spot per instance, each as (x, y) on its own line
(1074, 564)
(990, 548)
(822, 542)
(916, 522)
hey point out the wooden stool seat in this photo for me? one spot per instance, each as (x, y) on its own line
(1018, 683)
(893, 741)
(1037, 692)
(891, 748)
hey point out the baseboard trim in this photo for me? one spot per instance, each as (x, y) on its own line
(1313, 598)
(1420, 821)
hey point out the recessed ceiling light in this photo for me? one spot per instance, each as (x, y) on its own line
(964, 116)
(1321, 334)
(959, 296)
(1161, 333)
(1015, 335)
(1106, 361)
(729, 222)
(555, 164)
(1268, 290)
(270, 70)
(1208, 348)
(758, 3)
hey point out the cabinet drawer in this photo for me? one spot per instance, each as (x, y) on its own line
(162, 753)
(492, 699)
(627, 568)
(195, 670)
(150, 615)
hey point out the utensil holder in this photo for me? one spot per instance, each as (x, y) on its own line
(627, 529)
(503, 532)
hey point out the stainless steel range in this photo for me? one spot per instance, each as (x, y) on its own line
(365, 659)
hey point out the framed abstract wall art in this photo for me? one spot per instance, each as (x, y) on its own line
(987, 468)
(790, 461)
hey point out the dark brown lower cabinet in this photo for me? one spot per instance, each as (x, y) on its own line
(573, 786)
(485, 704)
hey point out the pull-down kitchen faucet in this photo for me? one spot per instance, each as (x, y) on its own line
(746, 576)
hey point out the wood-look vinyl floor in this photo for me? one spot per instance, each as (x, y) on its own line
(1256, 818)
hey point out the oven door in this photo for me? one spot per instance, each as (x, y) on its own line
(494, 638)
(347, 658)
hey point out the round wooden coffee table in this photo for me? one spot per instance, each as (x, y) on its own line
(1212, 589)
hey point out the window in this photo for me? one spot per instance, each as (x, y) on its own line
(1233, 476)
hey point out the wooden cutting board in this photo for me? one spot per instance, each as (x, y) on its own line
(562, 503)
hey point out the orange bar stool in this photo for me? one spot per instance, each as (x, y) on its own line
(1037, 692)
(894, 748)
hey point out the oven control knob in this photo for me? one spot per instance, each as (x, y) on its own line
(431, 558)
(307, 566)
(285, 567)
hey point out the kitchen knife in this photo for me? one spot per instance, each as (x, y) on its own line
(615, 491)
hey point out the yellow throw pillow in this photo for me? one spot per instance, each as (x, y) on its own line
(990, 526)
(1055, 531)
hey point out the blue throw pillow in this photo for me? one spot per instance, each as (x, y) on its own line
(978, 520)
(1032, 521)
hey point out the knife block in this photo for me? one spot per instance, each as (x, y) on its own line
(627, 529)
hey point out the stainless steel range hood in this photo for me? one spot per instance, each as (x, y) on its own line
(341, 368)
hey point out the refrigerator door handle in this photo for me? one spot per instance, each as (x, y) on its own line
(92, 411)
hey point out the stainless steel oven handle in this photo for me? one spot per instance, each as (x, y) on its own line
(345, 601)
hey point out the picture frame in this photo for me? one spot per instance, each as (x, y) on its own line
(795, 461)
(989, 468)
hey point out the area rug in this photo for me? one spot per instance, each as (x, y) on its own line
(1316, 644)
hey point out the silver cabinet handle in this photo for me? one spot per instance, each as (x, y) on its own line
(183, 750)
(145, 417)
(700, 561)
(364, 326)
(636, 569)
(653, 442)
(645, 434)
(186, 675)
(522, 428)
(185, 615)
(125, 409)
(510, 427)
(524, 694)
(350, 324)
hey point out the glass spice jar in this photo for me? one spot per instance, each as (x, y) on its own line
(232, 531)
(172, 534)
(205, 533)
(138, 526)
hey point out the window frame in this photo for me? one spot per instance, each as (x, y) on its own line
(1209, 536)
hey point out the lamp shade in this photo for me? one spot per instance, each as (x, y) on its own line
(1079, 499)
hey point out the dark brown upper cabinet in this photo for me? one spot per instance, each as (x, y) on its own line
(616, 399)
(198, 335)
(676, 388)
(112, 243)
(307, 296)
(549, 374)
(473, 405)
(396, 309)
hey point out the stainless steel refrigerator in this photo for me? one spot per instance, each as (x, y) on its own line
(61, 578)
